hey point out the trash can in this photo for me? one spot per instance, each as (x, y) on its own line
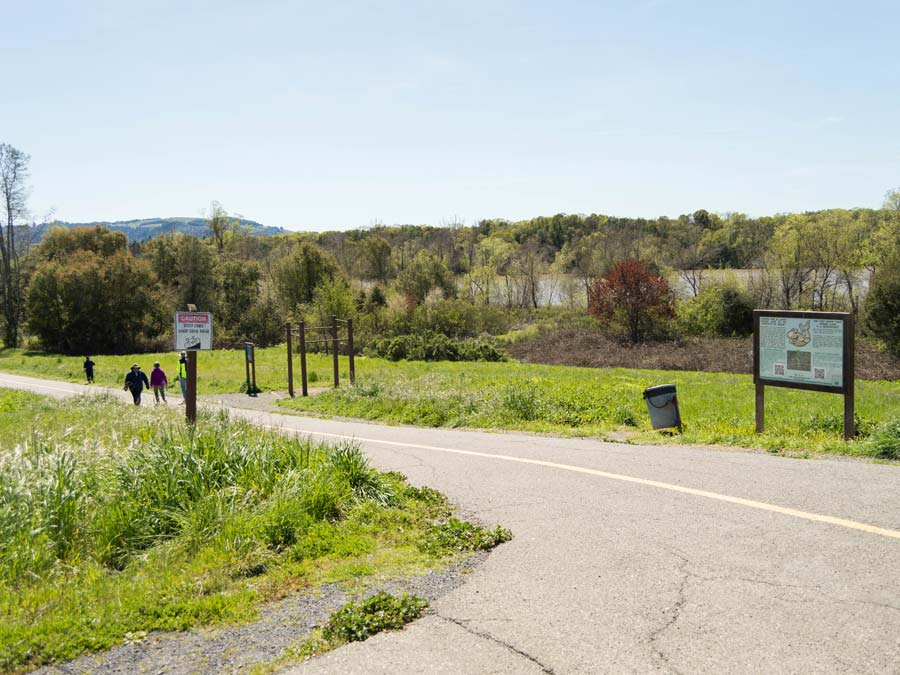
(662, 404)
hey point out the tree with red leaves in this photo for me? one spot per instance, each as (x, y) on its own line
(633, 302)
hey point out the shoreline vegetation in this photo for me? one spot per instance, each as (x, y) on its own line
(717, 408)
(117, 521)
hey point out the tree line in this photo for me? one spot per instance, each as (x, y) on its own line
(90, 290)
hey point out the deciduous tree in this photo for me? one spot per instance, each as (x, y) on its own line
(633, 302)
(13, 194)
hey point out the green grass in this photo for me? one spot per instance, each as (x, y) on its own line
(220, 371)
(116, 520)
(717, 408)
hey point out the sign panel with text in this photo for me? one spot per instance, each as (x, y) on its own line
(193, 331)
(801, 350)
(805, 350)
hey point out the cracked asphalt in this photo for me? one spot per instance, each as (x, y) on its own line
(627, 558)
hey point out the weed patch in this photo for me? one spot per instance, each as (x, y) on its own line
(885, 442)
(360, 620)
(458, 535)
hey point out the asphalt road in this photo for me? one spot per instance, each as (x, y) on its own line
(639, 558)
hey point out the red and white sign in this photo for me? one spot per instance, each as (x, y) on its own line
(193, 331)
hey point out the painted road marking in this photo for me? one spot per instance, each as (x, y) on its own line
(762, 506)
(750, 503)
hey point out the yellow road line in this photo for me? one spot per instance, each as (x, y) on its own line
(750, 503)
(762, 506)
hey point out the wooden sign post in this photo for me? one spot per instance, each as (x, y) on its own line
(193, 332)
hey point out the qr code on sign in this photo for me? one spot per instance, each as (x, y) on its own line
(818, 373)
(778, 368)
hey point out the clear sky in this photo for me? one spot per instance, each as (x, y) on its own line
(330, 115)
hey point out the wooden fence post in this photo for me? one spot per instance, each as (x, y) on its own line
(334, 350)
(290, 358)
(350, 350)
(303, 358)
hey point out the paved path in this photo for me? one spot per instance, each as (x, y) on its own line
(640, 558)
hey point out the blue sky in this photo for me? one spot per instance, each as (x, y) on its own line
(329, 115)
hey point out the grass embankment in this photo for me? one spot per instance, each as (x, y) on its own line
(717, 408)
(117, 520)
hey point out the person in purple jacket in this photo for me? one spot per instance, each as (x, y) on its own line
(159, 382)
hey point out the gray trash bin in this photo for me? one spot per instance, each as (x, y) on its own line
(662, 404)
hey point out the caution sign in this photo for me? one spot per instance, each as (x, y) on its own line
(193, 331)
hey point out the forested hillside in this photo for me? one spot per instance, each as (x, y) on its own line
(145, 228)
(422, 291)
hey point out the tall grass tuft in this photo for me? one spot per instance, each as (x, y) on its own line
(115, 519)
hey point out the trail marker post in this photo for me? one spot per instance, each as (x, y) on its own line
(250, 362)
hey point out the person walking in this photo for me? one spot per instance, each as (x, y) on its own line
(159, 382)
(89, 369)
(135, 381)
(182, 375)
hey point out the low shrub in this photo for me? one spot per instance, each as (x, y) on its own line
(435, 347)
(717, 311)
(835, 424)
(885, 441)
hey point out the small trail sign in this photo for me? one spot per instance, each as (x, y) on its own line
(193, 331)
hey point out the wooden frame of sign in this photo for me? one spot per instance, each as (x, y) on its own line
(804, 350)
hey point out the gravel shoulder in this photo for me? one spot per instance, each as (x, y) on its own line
(236, 649)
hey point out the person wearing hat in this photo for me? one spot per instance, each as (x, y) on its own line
(135, 381)
(182, 375)
(159, 382)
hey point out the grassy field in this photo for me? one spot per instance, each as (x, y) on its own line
(717, 408)
(116, 520)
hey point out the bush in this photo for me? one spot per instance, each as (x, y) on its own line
(883, 304)
(453, 318)
(435, 347)
(633, 303)
(717, 311)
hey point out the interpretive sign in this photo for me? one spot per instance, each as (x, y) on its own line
(193, 331)
(804, 350)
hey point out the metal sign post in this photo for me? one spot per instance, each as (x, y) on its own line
(804, 350)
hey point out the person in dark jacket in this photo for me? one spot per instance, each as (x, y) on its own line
(135, 381)
(89, 369)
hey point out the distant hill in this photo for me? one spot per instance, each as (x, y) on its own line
(141, 230)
